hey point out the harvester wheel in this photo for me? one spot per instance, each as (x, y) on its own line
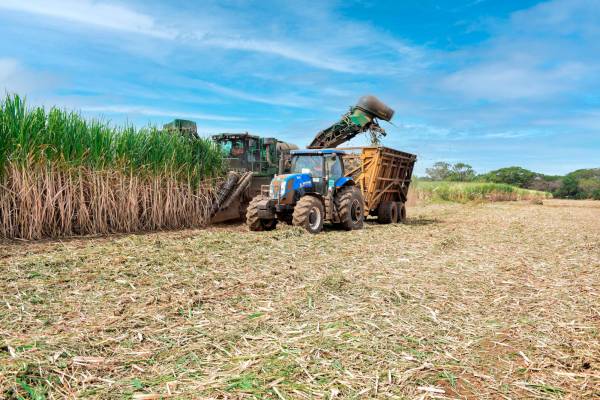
(243, 210)
(401, 212)
(387, 212)
(350, 205)
(309, 214)
(257, 224)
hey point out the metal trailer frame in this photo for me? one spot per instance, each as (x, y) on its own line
(383, 174)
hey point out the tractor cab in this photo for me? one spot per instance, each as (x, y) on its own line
(325, 167)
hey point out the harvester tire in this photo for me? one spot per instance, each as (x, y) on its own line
(401, 212)
(244, 203)
(257, 224)
(387, 212)
(309, 214)
(350, 205)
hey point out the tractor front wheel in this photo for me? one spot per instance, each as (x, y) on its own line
(309, 214)
(257, 224)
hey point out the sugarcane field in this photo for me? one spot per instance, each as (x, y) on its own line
(282, 200)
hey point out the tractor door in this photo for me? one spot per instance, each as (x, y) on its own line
(334, 170)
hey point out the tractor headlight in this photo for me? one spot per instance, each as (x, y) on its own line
(282, 189)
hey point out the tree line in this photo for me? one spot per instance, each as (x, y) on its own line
(580, 184)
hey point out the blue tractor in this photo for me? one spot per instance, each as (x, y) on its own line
(314, 191)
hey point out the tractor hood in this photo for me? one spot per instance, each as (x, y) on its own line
(283, 187)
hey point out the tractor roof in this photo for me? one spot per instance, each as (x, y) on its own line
(317, 151)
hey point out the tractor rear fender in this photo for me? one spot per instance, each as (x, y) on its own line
(316, 195)
(344, 181)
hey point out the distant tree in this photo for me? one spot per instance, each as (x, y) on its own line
(588, 186)
(440, 171)
(516, 176)
(596, 194)
(545, 183)
(580, 184)
(589, 173)
(569, 187)
(461, 172)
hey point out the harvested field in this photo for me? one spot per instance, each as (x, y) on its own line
(495, 300)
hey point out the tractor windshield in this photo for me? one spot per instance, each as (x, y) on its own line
(307, 164)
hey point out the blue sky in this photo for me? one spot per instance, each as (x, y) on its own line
(492, 83)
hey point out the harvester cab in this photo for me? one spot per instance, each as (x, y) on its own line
(252, 161)
(245, 152)
(316, 190)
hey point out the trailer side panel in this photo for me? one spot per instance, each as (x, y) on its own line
(383, 174)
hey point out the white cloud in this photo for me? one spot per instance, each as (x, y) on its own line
(512, 134)
(538, 54)
(99, 14)
(287, 50)
(508, 80)
(318, 45)
(287, 100)
(8, 69)
(15, 78)
(155, 112)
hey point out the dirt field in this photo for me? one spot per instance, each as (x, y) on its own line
(464, 301)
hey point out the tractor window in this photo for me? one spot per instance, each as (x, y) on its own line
(307, 164)
(334, 167)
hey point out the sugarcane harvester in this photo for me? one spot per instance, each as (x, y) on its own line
(342, 186)
(252, 162)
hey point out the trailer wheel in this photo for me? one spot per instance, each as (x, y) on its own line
(350, 205)
(257, 224)
(401, 212)
(309, 214)
(387, 212)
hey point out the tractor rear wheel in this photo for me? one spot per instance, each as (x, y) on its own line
(350, 206)
(387, 212)
(309, 214)
(257, 224)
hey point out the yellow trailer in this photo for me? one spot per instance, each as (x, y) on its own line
(384, 176)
